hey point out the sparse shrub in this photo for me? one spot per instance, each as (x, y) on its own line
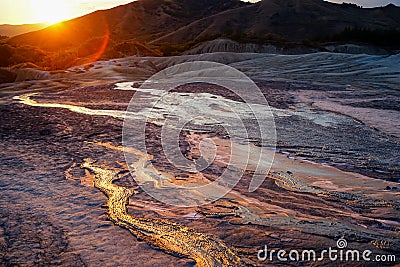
(169, 49)
(6, 53)
(349, 5)
(310, 43)
(27, 53)
(91, 46)
(59, 60)
(3, 38)
(133, 47)
(380, 37)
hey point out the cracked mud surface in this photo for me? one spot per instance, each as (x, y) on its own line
(51, 213)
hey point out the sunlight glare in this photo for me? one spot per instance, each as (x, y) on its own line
(50, 11)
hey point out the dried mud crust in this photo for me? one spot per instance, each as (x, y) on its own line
(289, 182)
(32, 240)
(96, 97)
(38, 146)
(276, 94)
(321, 210)
(348, 145)
(65, 137)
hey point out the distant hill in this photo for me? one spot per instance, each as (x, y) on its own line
(155, 27)
(13, 30)
(293, 19)
(143, 20)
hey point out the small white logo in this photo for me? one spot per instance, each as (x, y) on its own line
(340, 253)
(341, 243)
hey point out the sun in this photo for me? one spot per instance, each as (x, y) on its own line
(50, 11)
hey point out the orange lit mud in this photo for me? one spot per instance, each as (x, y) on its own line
(248, 210)
(300, 204)
(171, 237)
(26, 99)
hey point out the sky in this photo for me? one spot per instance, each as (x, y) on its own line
(34, 11)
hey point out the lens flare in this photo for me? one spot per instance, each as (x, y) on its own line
(103, 46)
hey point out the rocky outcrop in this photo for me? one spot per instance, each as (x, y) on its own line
(356, 49)
(227, 45)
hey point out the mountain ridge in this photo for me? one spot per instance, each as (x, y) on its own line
(297, 20)
(140, 20)
(158, 21)
(169, 27)
(11, 30)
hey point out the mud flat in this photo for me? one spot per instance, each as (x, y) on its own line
(334, 175)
